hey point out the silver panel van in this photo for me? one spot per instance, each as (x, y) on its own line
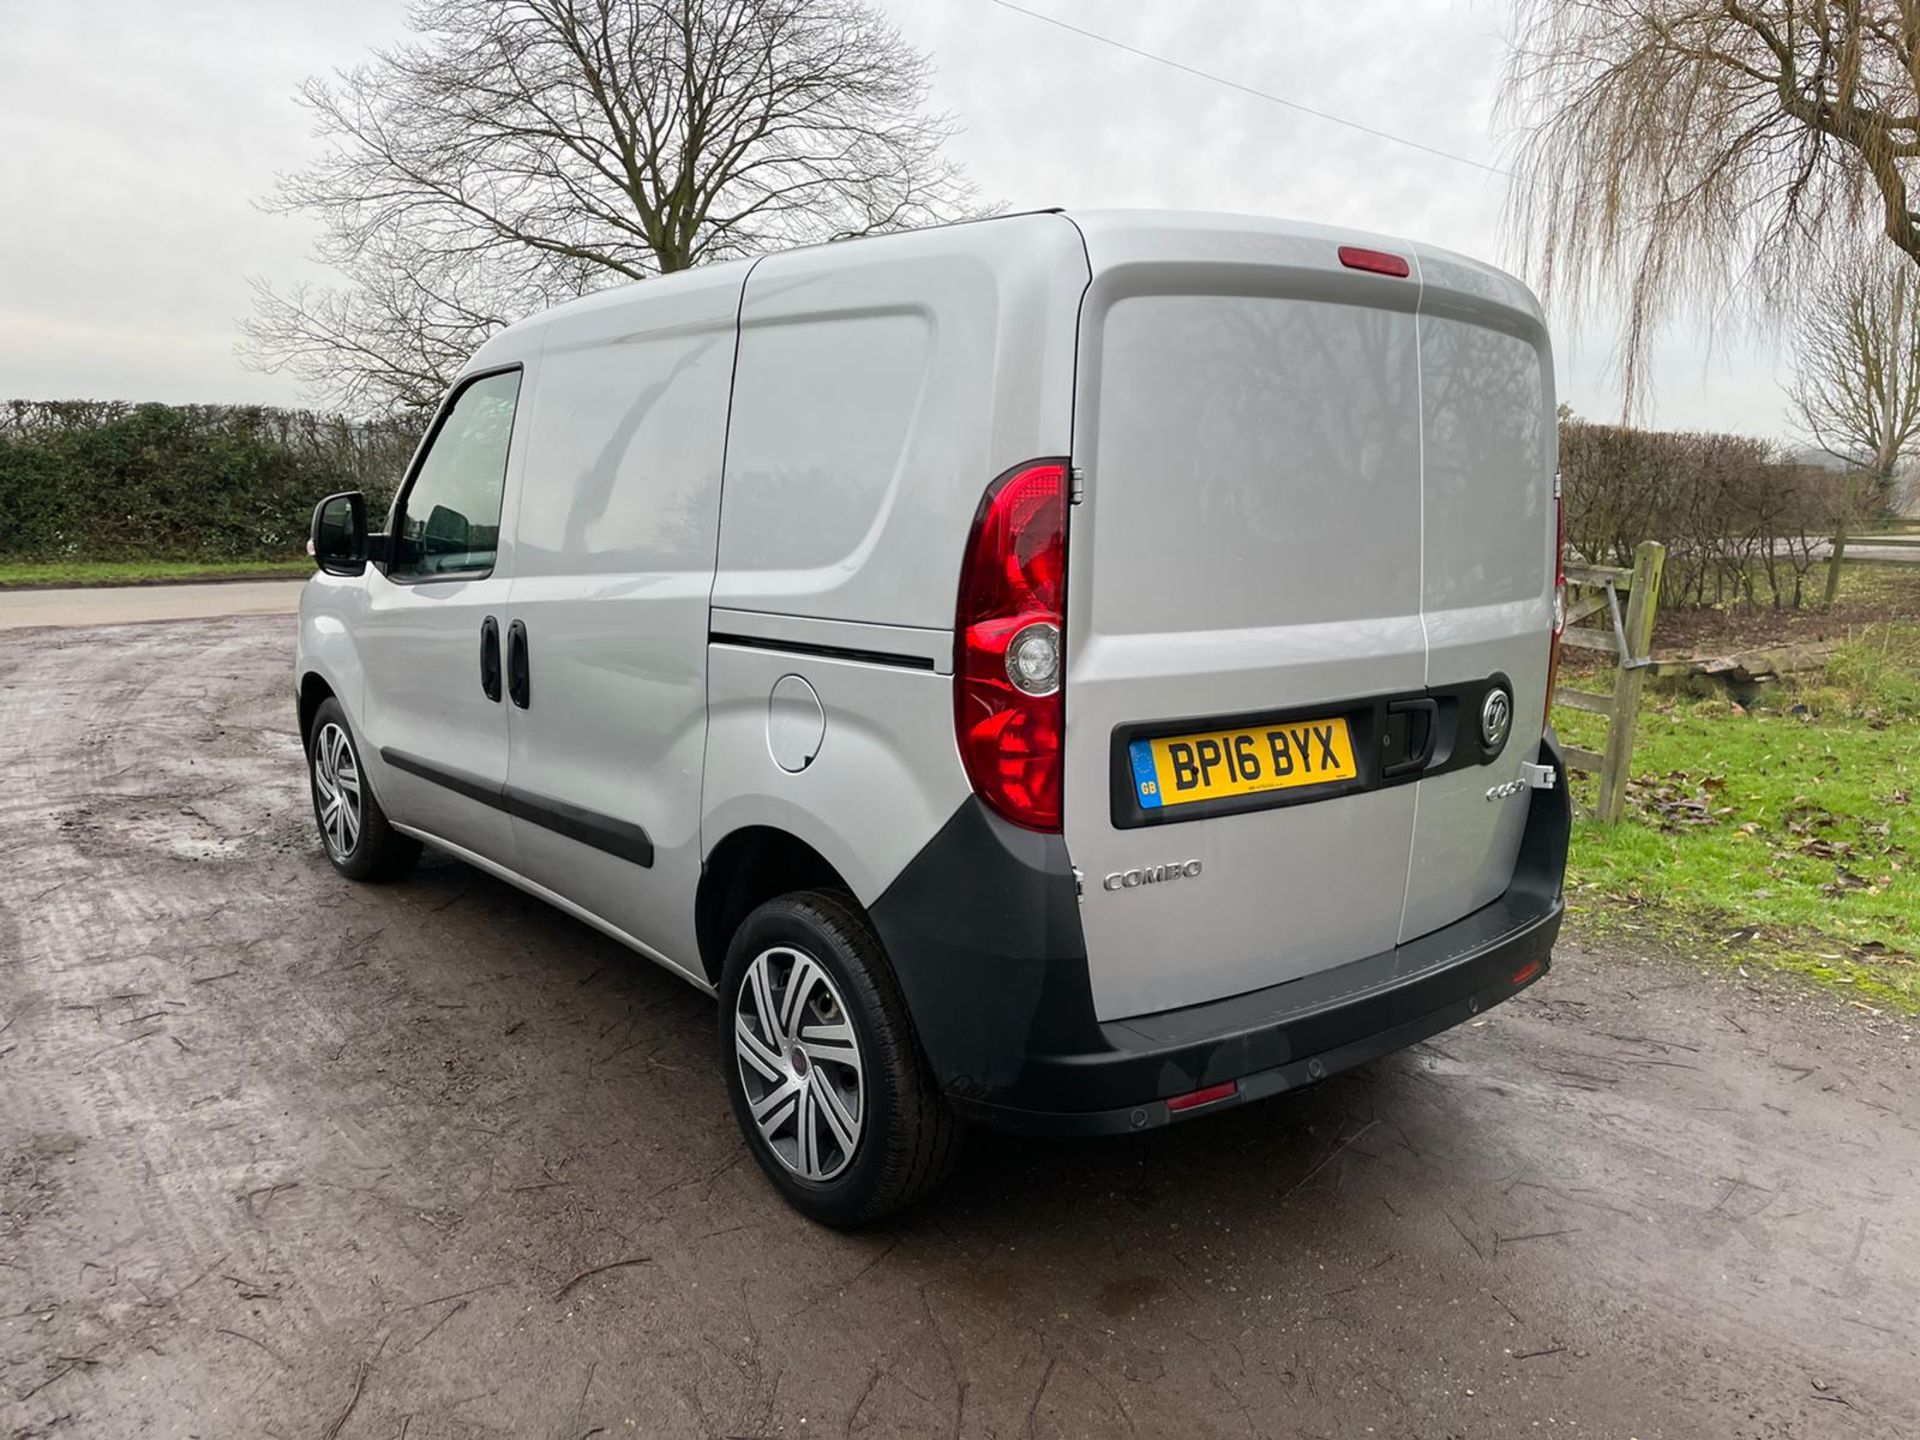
(1066, 672)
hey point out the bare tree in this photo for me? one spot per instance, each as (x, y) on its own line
(518, 151)
(1856, 387)
(390, 340)
(1701, 152)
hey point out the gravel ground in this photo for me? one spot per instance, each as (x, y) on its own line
(283, 1156)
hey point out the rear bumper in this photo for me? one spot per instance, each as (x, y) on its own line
(1271, 1041)
(983, 929)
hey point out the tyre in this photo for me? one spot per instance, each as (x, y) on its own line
(353, 828)
(826, 1077)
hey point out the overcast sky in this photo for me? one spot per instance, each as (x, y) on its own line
(135, 136)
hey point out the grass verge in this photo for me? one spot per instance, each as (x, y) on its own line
(1783, 834)
(24, 574)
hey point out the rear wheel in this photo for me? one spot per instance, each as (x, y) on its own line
(353, 828)
(826, 1078)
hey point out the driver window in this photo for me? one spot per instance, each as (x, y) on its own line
(450, 523)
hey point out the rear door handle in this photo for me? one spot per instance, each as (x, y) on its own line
(1423, 728)
(490, 658)
(519, 679)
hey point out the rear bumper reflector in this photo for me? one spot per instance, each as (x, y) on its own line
(1195, 1098)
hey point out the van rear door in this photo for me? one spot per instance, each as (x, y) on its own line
(1315, 537)
(1488, 450)
(1244, 584)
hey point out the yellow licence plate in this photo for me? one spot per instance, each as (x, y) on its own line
(1180, 769)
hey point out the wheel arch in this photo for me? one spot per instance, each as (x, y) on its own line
(314, 692)
(748, 867)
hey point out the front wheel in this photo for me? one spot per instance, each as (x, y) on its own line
(353, 827)
(825, 1075)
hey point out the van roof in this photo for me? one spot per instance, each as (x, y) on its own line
(1112, 238)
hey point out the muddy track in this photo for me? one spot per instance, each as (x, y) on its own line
(281, 1155)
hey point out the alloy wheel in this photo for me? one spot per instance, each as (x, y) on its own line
(800, 1063)
(336, 782)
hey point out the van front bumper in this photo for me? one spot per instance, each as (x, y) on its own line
(983, 930)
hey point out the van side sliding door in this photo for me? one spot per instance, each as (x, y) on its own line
(614, 542)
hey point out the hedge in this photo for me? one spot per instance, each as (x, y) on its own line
(103, 480)
(1737, 515)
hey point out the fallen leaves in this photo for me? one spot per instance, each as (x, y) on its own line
(1772, 842)
(1678, 802)
(1803, 817)
(1845, 880)
(1826, 849)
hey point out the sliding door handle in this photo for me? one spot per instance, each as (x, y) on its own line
(519, 678)
(490, 658)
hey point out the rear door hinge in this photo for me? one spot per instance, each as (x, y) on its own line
(1076, 485)
(1538, 777)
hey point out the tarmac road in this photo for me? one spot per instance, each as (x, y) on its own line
(285, 1156)
(119, 604)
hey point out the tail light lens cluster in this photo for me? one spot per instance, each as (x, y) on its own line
(1559, 594)
(1008, 704)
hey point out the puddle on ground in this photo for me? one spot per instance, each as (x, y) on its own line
(1119, 1298)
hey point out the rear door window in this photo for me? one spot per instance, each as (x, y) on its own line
(449, 520)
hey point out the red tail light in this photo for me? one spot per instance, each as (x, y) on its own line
(1010, 627)
(1559, 593)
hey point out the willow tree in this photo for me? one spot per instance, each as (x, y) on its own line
(512, 152)
(1708, 154)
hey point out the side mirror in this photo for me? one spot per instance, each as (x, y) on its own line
(339, 540)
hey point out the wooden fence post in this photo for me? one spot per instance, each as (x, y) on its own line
(1643, 598)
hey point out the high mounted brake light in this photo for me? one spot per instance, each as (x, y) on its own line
(1357, 257)
(1010, 627)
